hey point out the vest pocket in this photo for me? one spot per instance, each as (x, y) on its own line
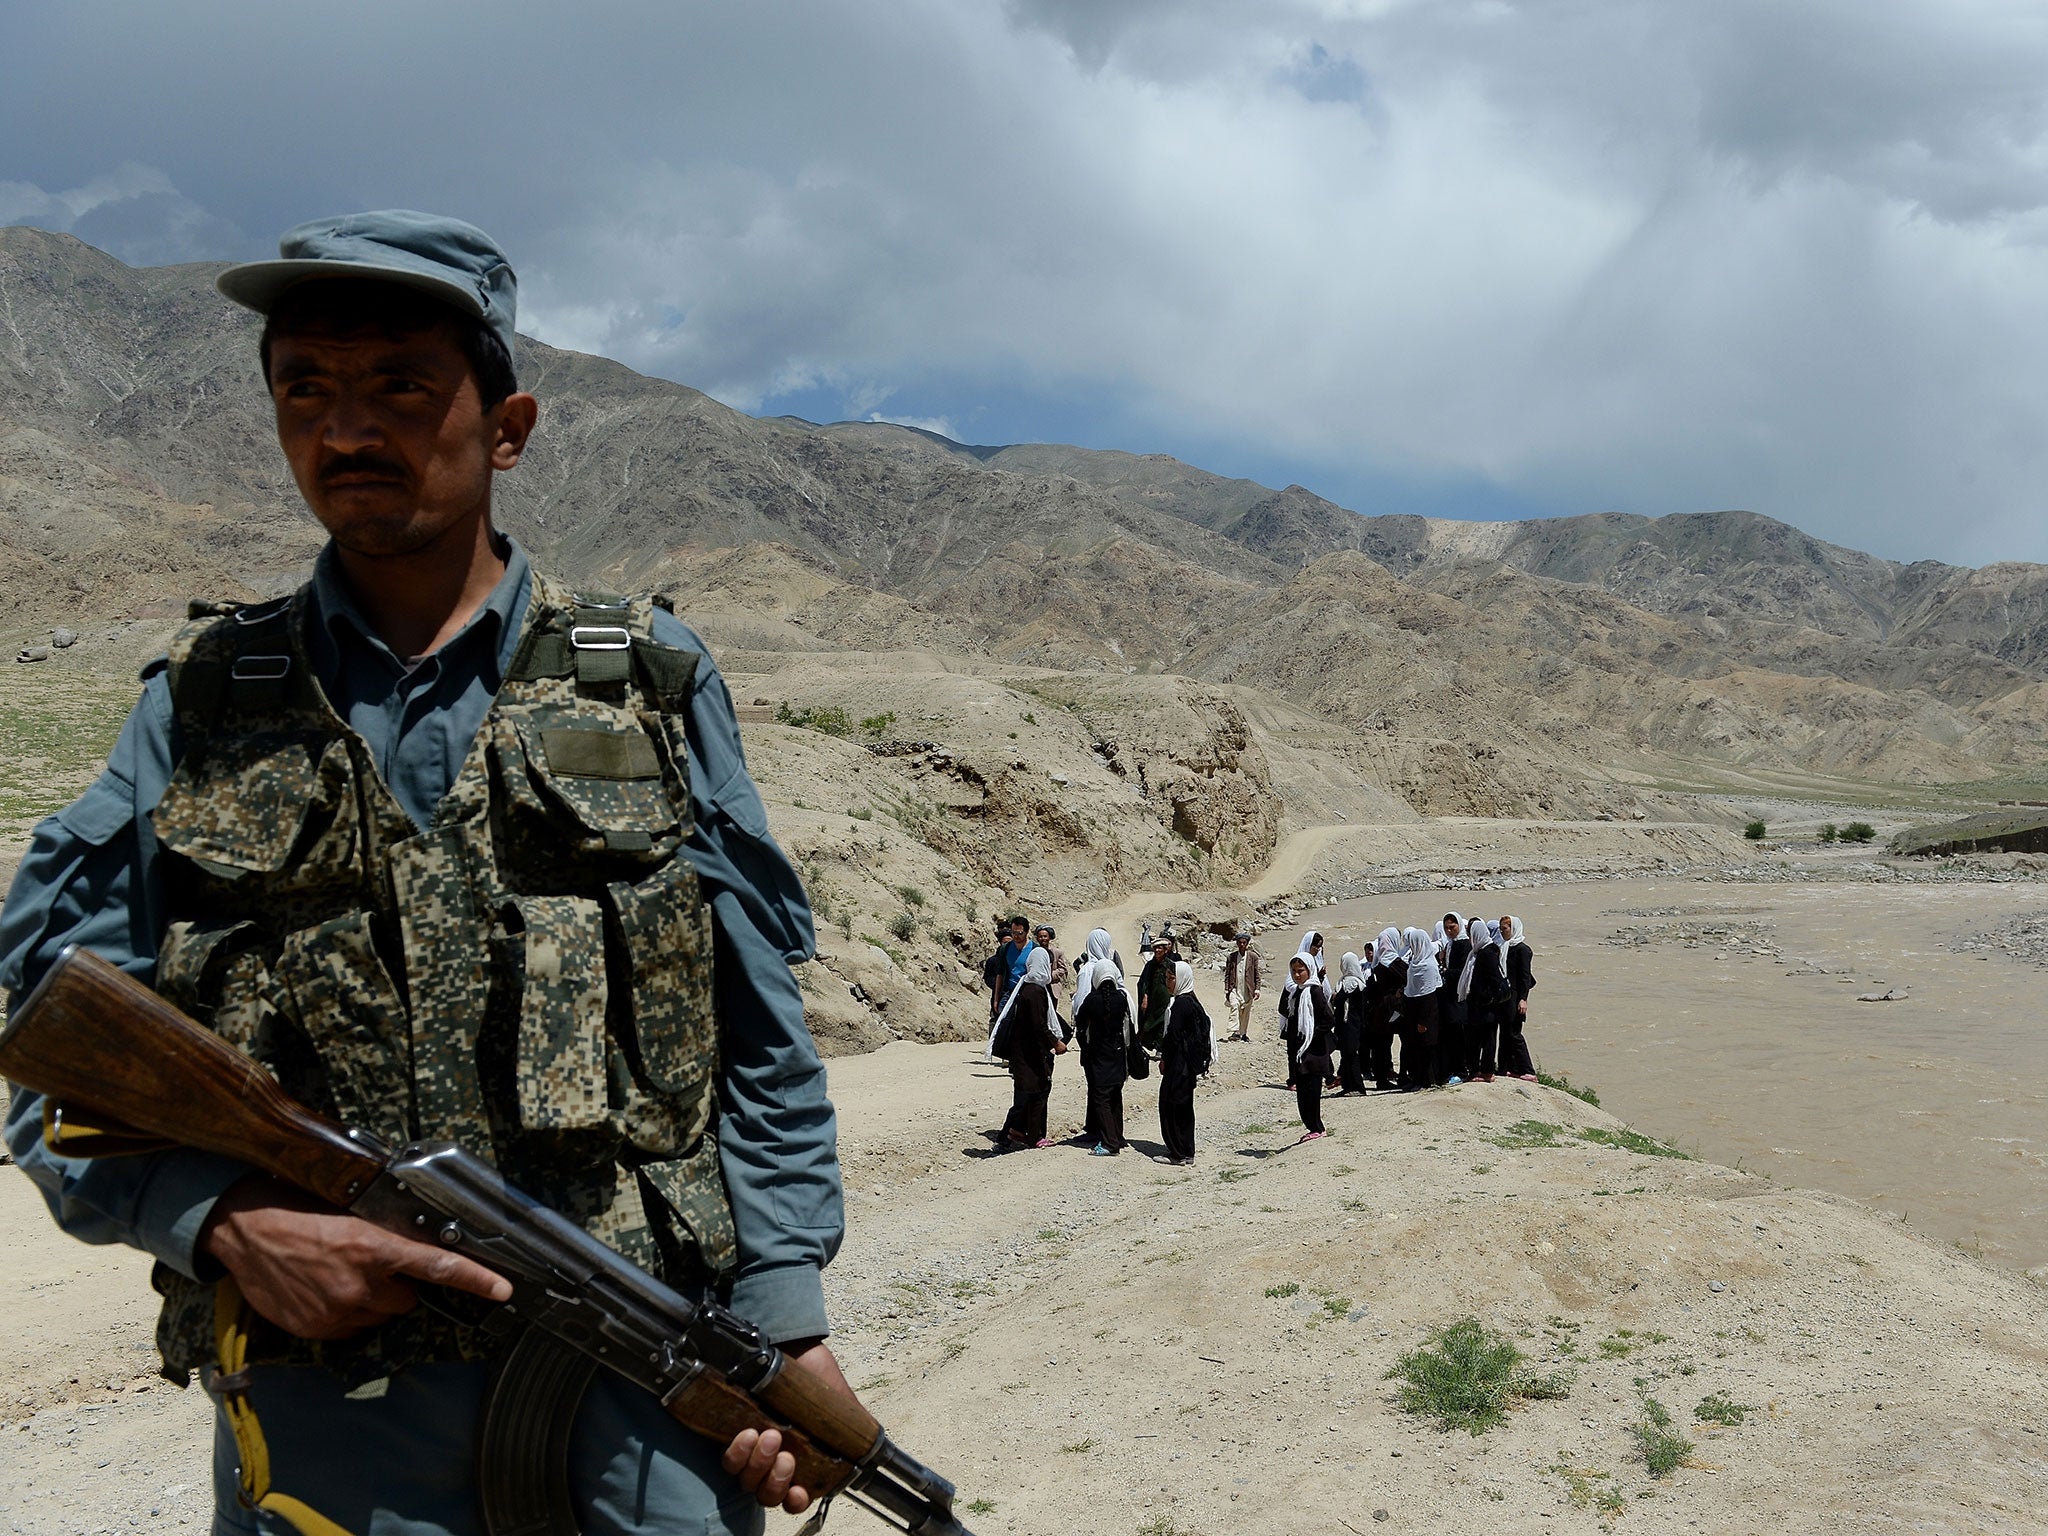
(693, 1190)
(664, 933)
(338, 988)
(599, 780)
(561, 1064)
(264, 804)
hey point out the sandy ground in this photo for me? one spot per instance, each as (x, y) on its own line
(1110, 1346)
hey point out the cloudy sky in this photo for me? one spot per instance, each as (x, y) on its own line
(1473, 258)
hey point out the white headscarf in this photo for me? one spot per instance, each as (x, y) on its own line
(1304, 1004)
(1387, 948)
(1316, 969)
(1513, 933)
(1476, 931)
(1098, 967)
(1354, 974)
(1424, 975)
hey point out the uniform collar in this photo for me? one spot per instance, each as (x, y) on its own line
(499, 620)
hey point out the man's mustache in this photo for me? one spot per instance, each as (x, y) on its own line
(361, 464)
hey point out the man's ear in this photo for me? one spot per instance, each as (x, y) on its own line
(514, 419)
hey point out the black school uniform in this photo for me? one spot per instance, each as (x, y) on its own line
(1450, 1016)
(1351, 1007)
(1514, 1049)
(1103, 1025)
(1183, 1057)
(1030, 1052)
(1313, 1064)
(1384, 990)
(1482, 1010)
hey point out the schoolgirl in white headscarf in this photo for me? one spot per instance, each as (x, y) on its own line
(1349, 1005)
(1187, 1048)
(1312, 946)
(1029, 1033)
(1515, 1060)
(1310, 1039)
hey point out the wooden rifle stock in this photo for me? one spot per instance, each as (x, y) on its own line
(90, 1036)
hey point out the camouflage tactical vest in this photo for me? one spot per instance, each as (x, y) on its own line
(530, 977)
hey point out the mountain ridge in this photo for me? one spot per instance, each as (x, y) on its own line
(137, 463)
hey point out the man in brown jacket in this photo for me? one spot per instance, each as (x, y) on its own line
(1241, 983)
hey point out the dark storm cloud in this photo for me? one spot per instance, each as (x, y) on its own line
(1618, 254)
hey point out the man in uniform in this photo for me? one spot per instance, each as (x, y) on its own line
(455, 851)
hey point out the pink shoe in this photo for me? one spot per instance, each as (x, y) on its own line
(1041, 1143)
(1311, 1136)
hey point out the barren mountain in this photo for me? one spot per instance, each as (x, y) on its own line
(1081, 672)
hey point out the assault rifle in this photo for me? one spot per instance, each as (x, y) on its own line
(96, 1043)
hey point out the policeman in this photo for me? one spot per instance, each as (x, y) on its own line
(456, 851)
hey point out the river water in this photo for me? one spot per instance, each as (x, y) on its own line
(1726, 1019)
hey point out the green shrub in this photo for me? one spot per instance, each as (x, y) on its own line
(845, 923)
(1755, 831)
(1859, 832)
(1828, 833)
(1467, 1377)
(1626, 1140)
(829, 718)
(1283, 1290)
(1564, 1084)
(903, 926)
(1719, 1408)
(874, 725)
(1525, 1134)
(1663, 1447)
(911, 895)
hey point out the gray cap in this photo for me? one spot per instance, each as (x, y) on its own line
(443, 258)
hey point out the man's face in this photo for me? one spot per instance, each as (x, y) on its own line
(388, 439)
(1019, 935)
(1044, 935)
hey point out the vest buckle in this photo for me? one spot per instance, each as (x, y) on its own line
(260, 669)
(600, 637)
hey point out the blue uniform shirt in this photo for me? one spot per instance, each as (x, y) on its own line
(93, 876)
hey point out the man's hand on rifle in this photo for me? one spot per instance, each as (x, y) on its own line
(319, 1273)
(757, 1458)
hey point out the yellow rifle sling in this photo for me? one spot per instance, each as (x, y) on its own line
(231, 1349)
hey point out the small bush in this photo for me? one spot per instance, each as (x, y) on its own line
(912, 896)
(1626, 1140)
(1663, 1447)
(874, 725)
(903, 926)
(845, 923)
(829, 718)
(863, 814)
(1564, 1084)
(1719, 1408)
(1524, 1134)
(1283, 1290)
(1829, 833)
(1467, 1377)
(1755, 831)
(1030, 718)
(1858, 832)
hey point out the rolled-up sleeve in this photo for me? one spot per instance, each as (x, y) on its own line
(90, 878)
(778, 1136)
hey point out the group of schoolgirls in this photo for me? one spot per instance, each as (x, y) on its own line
(1117, 1042)
(1456, 999)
